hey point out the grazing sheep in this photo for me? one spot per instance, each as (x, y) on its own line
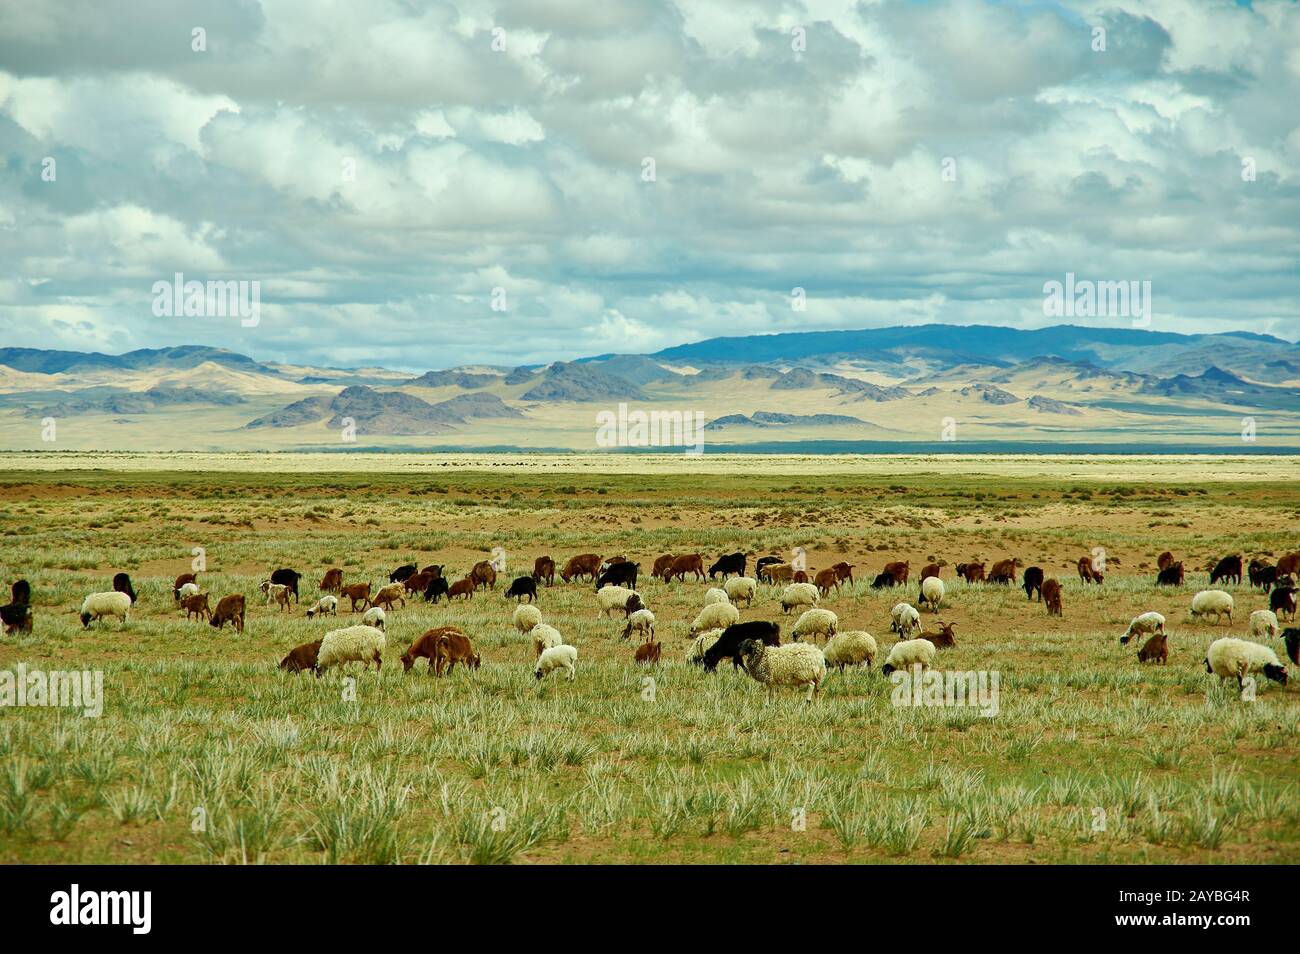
(186, 590)
(643, 622)
(621, 573)
(727, 645)
(741, 588)
(816, 622)
(302, 657)
(121, 583)
(1052, 597)
(463, 588)
(932, 591)
(388, 595)
(714, 595)
(363, 644)
(613, 598)
(544, 569)
(376, 617)
(526, 617)
(332, 581)
(702, 643)
(230, 609)
(357, 593)
(715, 616)
(522, 586)
(1155, 649)
(1033, 580)
(325, 606)
(557, 657)
(1212, 601)
(584, 564)
(733, 564)
(1228, 658)
(795, 664)
(648, 653)
(181, 581)
(1146, 624)
(98, 605)
(945, 638)
(854, 647)
(1264, 623)
(905, 620)
(907, 653)
(799, 594)
(289, 578)
(197, 605)
(545, 637)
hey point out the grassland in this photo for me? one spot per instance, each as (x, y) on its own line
(491, 766)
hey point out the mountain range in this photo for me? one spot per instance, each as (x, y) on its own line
(899, 386)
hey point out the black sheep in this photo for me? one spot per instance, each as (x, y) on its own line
(728, 644)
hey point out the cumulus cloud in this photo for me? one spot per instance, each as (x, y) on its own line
(382, 168)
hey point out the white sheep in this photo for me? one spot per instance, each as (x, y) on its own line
(1230, 658)
(799, 594)
(851, 648)
(701, 645)
(545, 637)
(642, 622)
(932, 592)
(325, 606)
(613, 598)
(1213, 601)
(526, 617)
(715, 616)
(794, 664)
(907, 653)
(714, 595)
(816, 622)
(741, 588)
(905, 620)
(363, 644)
(557, 657)
(1264, 623)
(1148, 624)
(188, 589)
(99, 605)
(376, 617)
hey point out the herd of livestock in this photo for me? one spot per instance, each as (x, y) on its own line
(717, 633)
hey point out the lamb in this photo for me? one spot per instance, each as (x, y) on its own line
(526, 617)
(98, 605)
(230, 609)
(613, 598)
(851, 648)
(325, 606)
(702, 643)
(741, 588)
(1146, 624)
(906, 620)
(197, 605)
(376, 617)
(795, 664)
(363, 644)
(643, 622)
(557, 657)
(715, 616)
(1212, 601)
(545, 637)
(907, 653)
(816, 622)
(799, 594)
(1155, 649)
(185, 590)
(727, 645)
(932, 591)
(714, 595)
(648, 653)
(301, 657)
(1229, 657)
(388, 595)
(1264, 623)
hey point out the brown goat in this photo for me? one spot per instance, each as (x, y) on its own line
(452, 648)
(929, 570)
(661, 567)
(647, 654)
(1051, 592)
(945, 638)
(777, 573)
(229, 610)
(181, 581)
(1004, 571)
(357, 593)
(898, 570)
(425, 647)
(544, 569)
(843, 571)
(301, 657)
(687, 563)
(332, 581)
(418, 582)
(971, 572)
(388, 595)
(463, 588)
(1087, 572)
(800, 576)
(1164, 560)
(197, 605)
(1288, 565)
(825, 580)
(484, 574)
(1155, 649)
(584, 564)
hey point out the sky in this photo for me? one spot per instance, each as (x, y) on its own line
(626, 176)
